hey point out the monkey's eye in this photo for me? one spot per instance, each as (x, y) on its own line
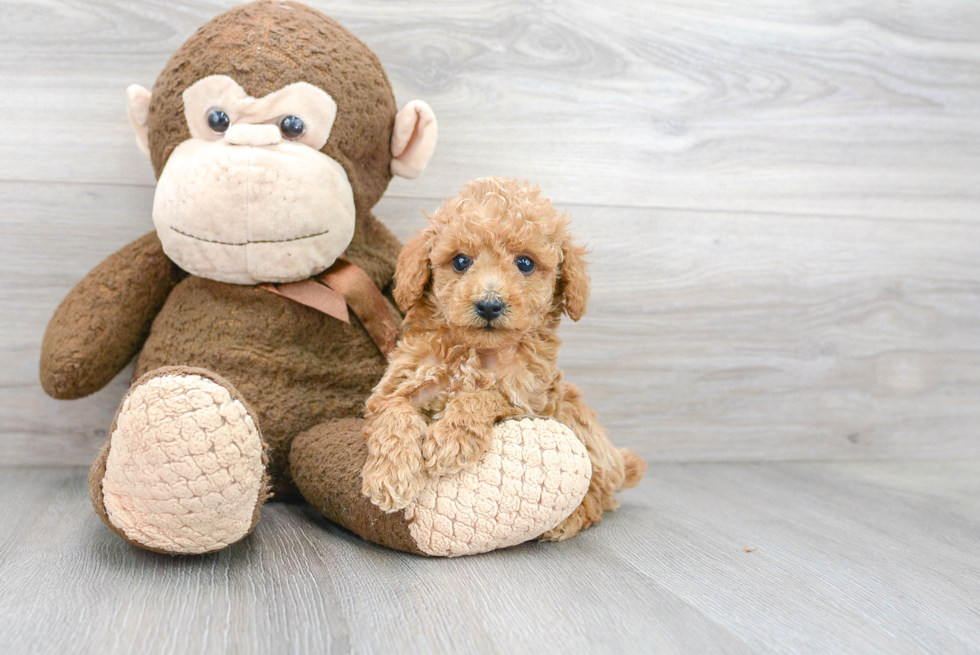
(218, 121)
(461, 262)
(524, 264)
(292, 127)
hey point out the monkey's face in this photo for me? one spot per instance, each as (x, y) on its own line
(268, 188)
(249, 197)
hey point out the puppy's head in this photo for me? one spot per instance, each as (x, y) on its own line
(494, 263)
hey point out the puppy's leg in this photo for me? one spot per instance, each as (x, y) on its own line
(612, 469)
(462, 435)
(394, 472)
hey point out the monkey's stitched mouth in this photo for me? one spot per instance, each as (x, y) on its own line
(245, 243)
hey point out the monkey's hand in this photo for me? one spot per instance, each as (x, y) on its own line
(394, 472)
(102, 323)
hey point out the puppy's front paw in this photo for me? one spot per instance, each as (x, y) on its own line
(391, 485)
(449, 448)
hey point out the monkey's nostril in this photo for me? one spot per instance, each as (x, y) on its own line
(489, 308)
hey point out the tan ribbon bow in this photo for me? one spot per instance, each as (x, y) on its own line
(332, 291)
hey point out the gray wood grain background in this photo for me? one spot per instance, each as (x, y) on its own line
(783, 201)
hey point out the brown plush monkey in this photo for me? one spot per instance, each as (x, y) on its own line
(273, 131)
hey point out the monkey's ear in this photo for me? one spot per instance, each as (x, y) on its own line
(138, 108)
(413, 140)
(412, 272)
(574, 283)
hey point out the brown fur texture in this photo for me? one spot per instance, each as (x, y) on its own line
(266, 45)
(326, 466)
(296, 366)
(455, 373)
(106, 318)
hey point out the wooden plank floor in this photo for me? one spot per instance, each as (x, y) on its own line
(845, 558)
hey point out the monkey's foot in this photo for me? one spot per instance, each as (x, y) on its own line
(534, 474)
(183, 471)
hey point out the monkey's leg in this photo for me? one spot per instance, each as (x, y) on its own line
(535, 473)
(184, 469)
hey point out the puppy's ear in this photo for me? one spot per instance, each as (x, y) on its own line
(574, 282)
(412, 272)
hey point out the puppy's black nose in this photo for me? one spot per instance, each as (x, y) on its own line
(489, 308)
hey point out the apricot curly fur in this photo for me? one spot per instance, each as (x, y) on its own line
(455, 373)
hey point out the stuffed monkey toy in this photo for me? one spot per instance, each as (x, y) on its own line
(259, 311)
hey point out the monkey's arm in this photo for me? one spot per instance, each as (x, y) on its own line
(102, 323)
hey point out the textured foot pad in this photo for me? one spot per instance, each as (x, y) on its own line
(185, 468)
(534, 475)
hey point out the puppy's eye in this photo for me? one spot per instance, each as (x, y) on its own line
(218, 121)
(292, 127)
(524, 264)
(461, 263)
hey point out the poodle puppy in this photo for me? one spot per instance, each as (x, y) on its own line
(483, 288)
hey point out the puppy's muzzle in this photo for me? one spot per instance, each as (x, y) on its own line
(489, 308)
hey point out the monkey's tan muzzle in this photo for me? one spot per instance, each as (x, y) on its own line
(241, 210)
